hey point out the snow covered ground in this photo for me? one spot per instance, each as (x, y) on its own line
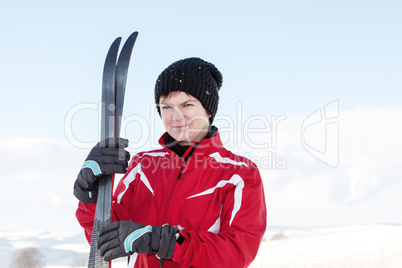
(341, 247)
(365, 246)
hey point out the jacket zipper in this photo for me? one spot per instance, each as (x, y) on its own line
(178, 179)
(173, 190)
(174, 187)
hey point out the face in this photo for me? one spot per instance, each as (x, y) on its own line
(184, 117)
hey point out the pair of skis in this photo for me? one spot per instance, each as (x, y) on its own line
(113, 88)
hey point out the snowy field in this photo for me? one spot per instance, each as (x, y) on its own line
(342, 247)
(365, 246)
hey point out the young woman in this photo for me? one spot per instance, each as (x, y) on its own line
(191, 203)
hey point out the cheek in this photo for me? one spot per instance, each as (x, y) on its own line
(165, 118)
(200, 119)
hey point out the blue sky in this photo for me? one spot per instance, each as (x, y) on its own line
(277, 58)
(288, 55)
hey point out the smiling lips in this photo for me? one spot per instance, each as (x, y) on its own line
(178, 127)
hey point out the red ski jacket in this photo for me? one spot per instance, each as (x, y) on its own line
(215, 197)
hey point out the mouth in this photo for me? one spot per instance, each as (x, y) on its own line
(179, 127)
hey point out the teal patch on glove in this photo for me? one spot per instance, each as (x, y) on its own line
(93, 166)
(128, 242)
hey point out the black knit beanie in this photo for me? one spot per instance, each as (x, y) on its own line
(194, 76)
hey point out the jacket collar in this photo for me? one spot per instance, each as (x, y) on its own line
(210, 144)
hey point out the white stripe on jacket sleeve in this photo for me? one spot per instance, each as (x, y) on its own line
(238, 194)
(131, 177)
(226, 160)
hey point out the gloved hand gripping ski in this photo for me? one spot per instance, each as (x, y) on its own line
(106, 158)
(123, 238)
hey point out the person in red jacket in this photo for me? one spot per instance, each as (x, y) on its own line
(191, 203)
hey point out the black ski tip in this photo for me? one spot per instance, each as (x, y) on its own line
(130, 41)
(112, 53)
(133, 35)
(116, 42)
(132, 38)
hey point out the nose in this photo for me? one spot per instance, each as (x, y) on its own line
(177, 115)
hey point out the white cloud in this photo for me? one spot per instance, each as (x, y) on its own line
(79, 248)
(37, 183)
(22, 244)
(369, 156)
(39, 173)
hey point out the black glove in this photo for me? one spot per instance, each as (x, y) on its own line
(123, 238)
(106, 158)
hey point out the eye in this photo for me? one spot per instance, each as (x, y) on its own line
(187, 105)
(165, 107)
